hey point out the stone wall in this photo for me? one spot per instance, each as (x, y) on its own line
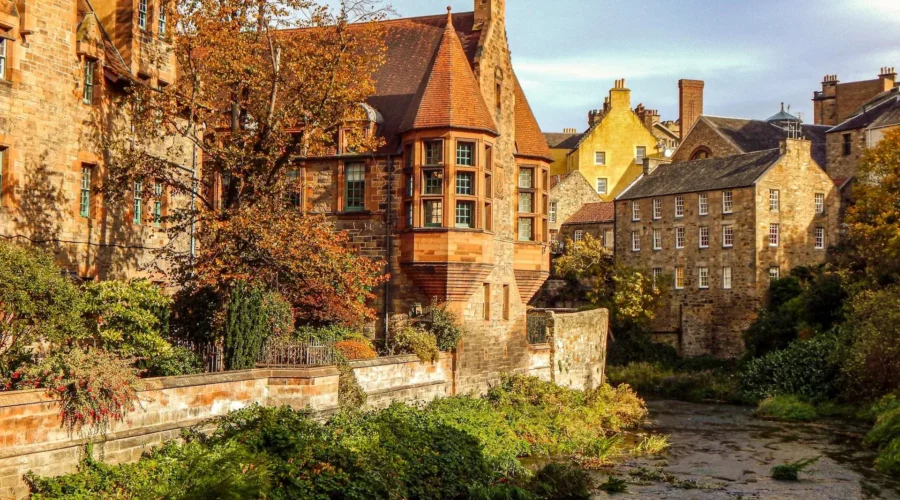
(842, 166)
(404, 378)
(577, 342)
(569, 195)
(702, 137)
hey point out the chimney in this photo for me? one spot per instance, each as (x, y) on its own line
(690, 104)
(888, 78)
(488, 12)
(650, 164)
(797, 148)
(619, 96)
(572, 131)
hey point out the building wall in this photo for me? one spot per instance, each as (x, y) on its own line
(839, 165)
(597, 230)
(706, 138)
(618, 134)
(559, 165)
(569, 195)
(690, 104)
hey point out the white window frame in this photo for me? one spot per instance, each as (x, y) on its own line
(679, 278)
(162, 20)
(727, 230)
(3, 58)
(726, 278)
(635, 211)
(657, 209)
(820, 238)
(602, 156)
(608, 238)
(727, 202)
(774, 273)
(605, 189)
(774, 234)
(679, 237)
(703, 233)
(639, 158)
(820, 203)
(703, 278)
(679, 206)
(579, 235)
(142, 14)
(703, 204)
(551, 215)
(657, 239)
(657, 274)
(635, 241)
(774, 200)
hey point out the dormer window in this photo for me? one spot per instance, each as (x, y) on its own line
(142, 14)
(434, 152)
(162, 21)
(88, 94)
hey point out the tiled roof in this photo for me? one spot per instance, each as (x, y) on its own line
(561, 140)
(529, 139)
(556, 179)
(449, 95)
(758, 135)
(880, 112)
(593, 213)
(711, 174)
(114, 67)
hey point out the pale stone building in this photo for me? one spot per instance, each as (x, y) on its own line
(716, 231)
(568, 193)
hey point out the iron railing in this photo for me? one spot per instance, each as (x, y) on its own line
(280, 354)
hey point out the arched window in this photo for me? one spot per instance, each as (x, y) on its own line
(701, 153)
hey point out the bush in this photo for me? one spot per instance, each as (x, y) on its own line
(443, 324)
(180, 361)
(786, 408)
(806, 369)
(130, 318)
(694, 386)
(872, 360)
(196, 314)
(351, 395)
(355, 349)
(409, 339)
(246, 327)
(559, 481)
(95, 388)
(631, 345)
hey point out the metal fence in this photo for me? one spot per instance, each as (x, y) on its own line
(536, 327)
(272, 355)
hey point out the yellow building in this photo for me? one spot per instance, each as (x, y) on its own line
(610, 153)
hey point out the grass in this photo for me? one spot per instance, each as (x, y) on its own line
(692, 381)
(652, 445)
(791, 471)
(614, 485)
(786, 409)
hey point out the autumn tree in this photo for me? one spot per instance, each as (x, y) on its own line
(873, 221)
(262, 86)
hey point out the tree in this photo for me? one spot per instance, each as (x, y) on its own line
(129, 318)
(873, 222)
(262, 86)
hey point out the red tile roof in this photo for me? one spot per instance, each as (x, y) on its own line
(529, 139)
(593, 213)
(450, 95)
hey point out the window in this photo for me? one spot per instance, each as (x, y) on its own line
(162, 20)
(465, 183)
(602, 185)
(465, 213)
(635, 241)
(506, 302)
(526, 178)
(679, 206)
(639, 153)
(773, 235)
(774, 273)
(726, 278)
(552, 211)
(409, 215)
(635, 211)
(85, 205)
(704, 277)
(526, 229)
(657, 276)
(579, 235)
(608, 238)
(700, 154)
(820, 238)
(157, 203)
(3, 58)
(846, 145)
(355, 187)
(434, 213)
(704, 203)
(486, 291)
(657, 209)
(599, 157)
(679, 237)
(293, 197)
(434, 181)
(488, 158)
(774, 200)
(88, 94)
(820, 203)
(526, 202)
(465, 154)
(138, 202)
(727, 202)
(704, 237)
(434, 152)
(657, 239)
(679, 278)
(728, 236)
(488, 218)
(142, 14)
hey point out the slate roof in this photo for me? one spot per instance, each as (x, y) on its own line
(881, 111)
(757, 135)
(710, 174)
(782, 116)
(562, 140)
(593, 213)
(449, 95)
(529, 139)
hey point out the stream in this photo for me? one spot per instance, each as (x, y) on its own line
(722, 451)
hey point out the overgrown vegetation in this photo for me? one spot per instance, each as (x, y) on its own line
(460, 447)
(683, 381)
(791, 471)
(787, 408)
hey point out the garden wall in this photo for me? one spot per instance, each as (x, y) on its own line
(404, 378)
(577, 346)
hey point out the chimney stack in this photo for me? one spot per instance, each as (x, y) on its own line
(619, 96)
(570, 131)
(489, 12)
(650, 164)
(690, 104)
(888, 78)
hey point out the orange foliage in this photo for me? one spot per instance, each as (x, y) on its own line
(355, 349)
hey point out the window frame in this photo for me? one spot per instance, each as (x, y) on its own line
(727, 233)
(578, 236)
(657, 239)
(846, 144)
(470, 204)
(4, 58)
(158, 190)
(431, 202)
(774, 200)
(470, 174)
(472, 146)
(137, 206)
(519, 226)
(703, 278)
(639, 159)
(727, 278)
(703, 233)
(679, 206)
(603, 156)
(635, 241)
(774, 273)
(86, 194)
(635, 211)
(679, 278)
(90, 72)
(657, 208)
(162, 20)
(703, 203)
(427, 185)
(774, 234)
(819, 237)
(727, 202)
(819, 203)
(428, 160)
(359, 199)
(605, 185)
(142, 15)
(680, 237)
(552, 210)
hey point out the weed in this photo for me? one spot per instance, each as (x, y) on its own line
(652, 445)
(790, 471)
(787, 409)
(614, 485)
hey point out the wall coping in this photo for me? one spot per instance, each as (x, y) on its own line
(395, 360)
(32, 396)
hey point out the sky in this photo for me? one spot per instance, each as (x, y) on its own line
(752, 54)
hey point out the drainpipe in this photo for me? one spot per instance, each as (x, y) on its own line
(388, 237)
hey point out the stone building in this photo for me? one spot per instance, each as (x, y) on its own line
(610, 153)
(838, 101)
(456, 201)
(716, 231)
(594, 219)
(848, 140)
(568, 193)
(62, 64)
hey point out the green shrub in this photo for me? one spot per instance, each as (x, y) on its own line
(130, 318)
(872, 359)
(499, 492)
(806, 368)
(659, 381)
(180, 361)
(560, 481)
(443, 324)
(632, 345)
(246, 327)
(788, 408)
(790, 471)
(413, 340)
(351, 395)
(614, 485)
